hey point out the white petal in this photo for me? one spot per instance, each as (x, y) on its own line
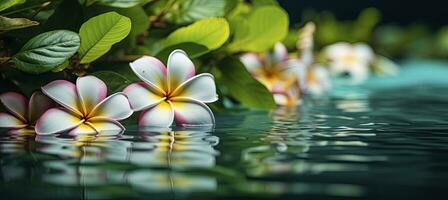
(9, 121)
(151, 71)
(337, 50)
(91, 91)
(16, 104)
(115, 107)
(56, 120)
(189, 112)
(161, 115)
(141, 97)
(252, 62)
(201, 88)
(65, 94)
(38, 104)
(365, 53)
(280, 53)
(180, 69)
(106, 126)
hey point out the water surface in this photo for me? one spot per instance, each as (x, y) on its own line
(384, 139)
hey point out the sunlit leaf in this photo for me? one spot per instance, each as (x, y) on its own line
(211, 33)
(264, 27)
(243, 87)
(15, 23)
(46, 51)
(5, 4)
(99, 33)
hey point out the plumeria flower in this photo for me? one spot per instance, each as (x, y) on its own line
(277, 72)
(86, 109)
(352, 60)
(23, 113)
(172, 93)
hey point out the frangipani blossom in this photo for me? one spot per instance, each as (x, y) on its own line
(86, 109)
(352, 60)
(23, 114)
(172, 93)
(277, 72)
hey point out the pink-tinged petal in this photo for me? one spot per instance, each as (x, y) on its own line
(39, 103)
(57, 120)
(115, 107)
(64, 93)
(16, 104)
(280, 53)
(201, 88)
(161, 115)
(9, 121)
(189, 112)
(83, 129)
(252, 62)
(91, 91)
(151, 71)
(180, 69)
(106, 126)
(141, 97)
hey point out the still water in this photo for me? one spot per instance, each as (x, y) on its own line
(384, 139)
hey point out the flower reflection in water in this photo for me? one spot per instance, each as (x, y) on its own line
(149, 161)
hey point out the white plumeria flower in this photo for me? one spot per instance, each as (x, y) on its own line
(172, 93)
(277, 72)
(86, 109)
(351, 60)
(23, 114)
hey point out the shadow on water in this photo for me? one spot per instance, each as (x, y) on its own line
(384, 143)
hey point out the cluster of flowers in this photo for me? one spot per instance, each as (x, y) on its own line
(165, 95)
(288, 77)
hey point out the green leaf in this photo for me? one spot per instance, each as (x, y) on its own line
(5, 4)
(192, 49)
(15, 23)
(211, 33)
(99, 33)
(264, 27)
(243, 87)
(122, 3)
(46, 51)
(193, 10)
(115, 82)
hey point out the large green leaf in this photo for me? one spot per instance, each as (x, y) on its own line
(15, 23)
(243, 87)
(211, 33)
(5, 4)
(99, 33)
(264, 27)
(115, 82)
(122, 3)
(193, 10)
(46, 51)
